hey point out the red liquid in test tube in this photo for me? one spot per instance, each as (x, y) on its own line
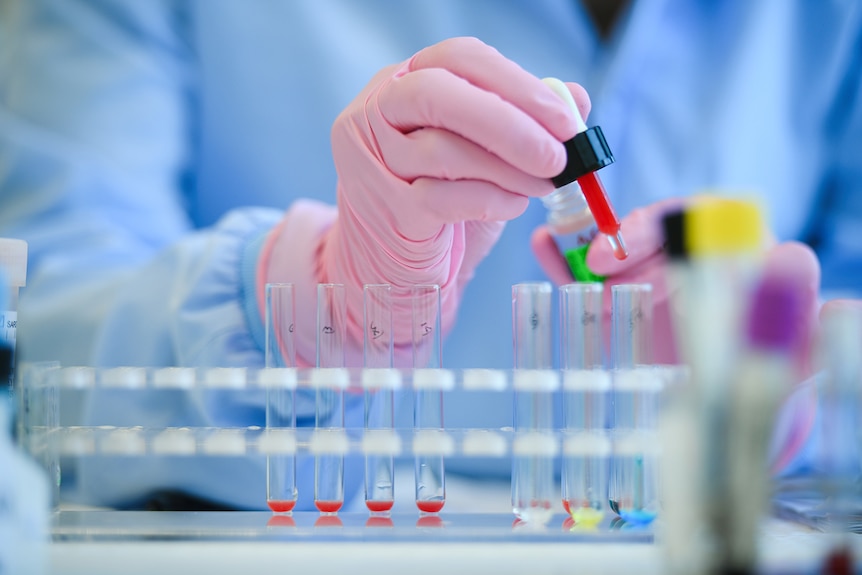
(329, 384)
(281, 506)
(279, 380)
(429, 470)
(379, 506)
(379, 382)
(430, 506)
(328, 506)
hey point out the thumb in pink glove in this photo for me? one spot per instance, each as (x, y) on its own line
(432, 157)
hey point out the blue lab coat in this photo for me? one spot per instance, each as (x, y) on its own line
(134, 136)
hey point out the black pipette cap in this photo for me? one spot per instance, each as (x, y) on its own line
(587, 152)
(5, 362)
(673, 226)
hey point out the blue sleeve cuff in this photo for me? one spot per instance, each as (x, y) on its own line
(248, 289)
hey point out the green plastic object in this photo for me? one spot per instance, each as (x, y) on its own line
(577, 259)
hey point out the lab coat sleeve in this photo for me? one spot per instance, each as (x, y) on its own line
(96, 123)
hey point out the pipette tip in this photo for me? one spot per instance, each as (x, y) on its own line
(618, 245)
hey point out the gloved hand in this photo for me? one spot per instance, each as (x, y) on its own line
(646, 263)
(432, 157)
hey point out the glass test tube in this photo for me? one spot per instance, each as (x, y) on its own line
(329, 402)
(631, 325)
(633, 490)
(532, 464)
(584, 479)
(379, 408)
(841, 333)
(428, 403)
(280, 352)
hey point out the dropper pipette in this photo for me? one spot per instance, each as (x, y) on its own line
(587, 153)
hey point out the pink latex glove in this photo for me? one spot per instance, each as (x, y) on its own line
(647, 264)
(432, 157)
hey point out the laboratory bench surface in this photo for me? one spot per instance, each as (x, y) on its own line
(98, 541)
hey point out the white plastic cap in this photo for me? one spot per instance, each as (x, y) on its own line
(559, 87)
(13, 260)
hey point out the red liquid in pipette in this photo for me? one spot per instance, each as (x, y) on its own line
(281, 506)
(432, 506)
(379, 506)
(606, 220)
(328, 506)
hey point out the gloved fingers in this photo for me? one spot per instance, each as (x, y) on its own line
(444, 155)
(643, 235)
(451, 202)
(651, 271)
(438, 98)
(549, 257)
(797, 263)
(486, 68)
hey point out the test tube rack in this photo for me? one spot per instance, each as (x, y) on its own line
(46, 387)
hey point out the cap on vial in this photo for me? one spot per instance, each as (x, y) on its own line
(6, 354)
(13, 260)
(673, 227)
(587, 152)
(723, 226)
